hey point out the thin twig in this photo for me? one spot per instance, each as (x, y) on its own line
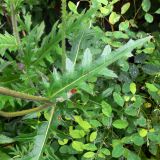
(112, 27)
(137, 13)
(135, 9)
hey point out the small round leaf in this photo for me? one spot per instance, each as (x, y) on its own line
(125, 7)
(114, 17)
(93, 136)
(120, 124)
(146, 5)
(133, 88)
(143, 132)
(89, 154)
(148, 18)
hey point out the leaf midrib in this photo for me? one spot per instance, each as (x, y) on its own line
(86, 74)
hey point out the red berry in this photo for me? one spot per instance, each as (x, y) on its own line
(73, 91)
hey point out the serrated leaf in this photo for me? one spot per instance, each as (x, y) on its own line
(120, 124)
(9, 42)
(86, 87)
(87, 58)
(106, 109)
(125, 7)
(72, 7)
(93, 136)
(28, 22)
(69, 65)
(83, 74)
(40, 31)
(56, 75)
(107, 50)
(46, 45)
(146, 5)
(108, 73)
(4, 65)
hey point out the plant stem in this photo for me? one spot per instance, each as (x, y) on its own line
(24, 112)
(63, 34)
(47, 131)
(12, 93)
(77, 51)
(15, 27)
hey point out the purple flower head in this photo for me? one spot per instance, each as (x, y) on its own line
(20, 66)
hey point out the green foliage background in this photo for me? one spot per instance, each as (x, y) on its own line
(115, 112)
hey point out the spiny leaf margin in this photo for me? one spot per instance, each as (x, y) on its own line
(69, 81)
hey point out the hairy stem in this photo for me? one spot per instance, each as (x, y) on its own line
(63, 34)
(21, 95)
(24, 112)
(15, 27)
